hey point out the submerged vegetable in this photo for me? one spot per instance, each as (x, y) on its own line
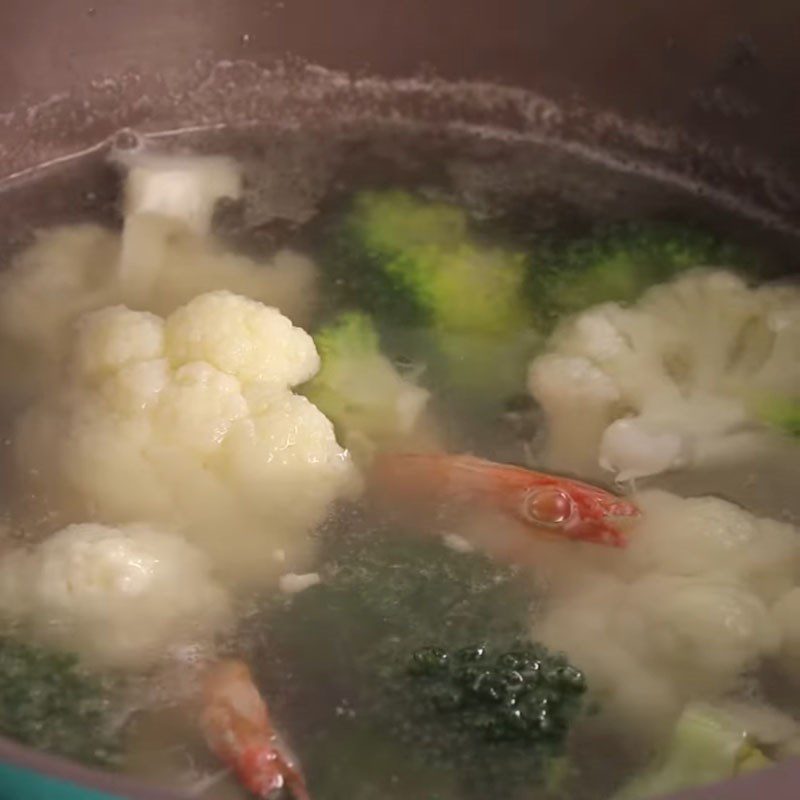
(618, 263)
(782, 413)
(417, 262)
(49, 702)
(525, 695)
(384, 594)
(680, 615)
(118, 597)
(707, 745)
(165, 256)
(671, 381)
(358, 388)
(191, 421)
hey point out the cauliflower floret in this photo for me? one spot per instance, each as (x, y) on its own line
(634, 448)
(690, 363)
(120, 597)
(680, 614)
(186, 189)
(579, 400)
(190, 421)
(703, 632)
(165, 256)
(60, 276)
(707, 536)
(241, 337)
(113, 337)
(631, 695)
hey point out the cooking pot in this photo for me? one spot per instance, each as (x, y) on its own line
(701, 95)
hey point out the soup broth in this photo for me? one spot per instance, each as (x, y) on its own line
(331, 607)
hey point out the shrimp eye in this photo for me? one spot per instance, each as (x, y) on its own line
(548, 506)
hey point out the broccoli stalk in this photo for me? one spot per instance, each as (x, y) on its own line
(49, 702)
(417, 263)
(360, 390)
(707, 746)
(617, 263)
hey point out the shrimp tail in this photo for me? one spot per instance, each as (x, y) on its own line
(238, 730)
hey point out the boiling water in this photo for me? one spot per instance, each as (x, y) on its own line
(311, 656)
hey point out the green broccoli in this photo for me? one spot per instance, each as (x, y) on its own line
(526, 695)
(417, 263)
(707, 746)
(617, 263)
(384, 595)
(782, 413)
(49, 702)
(416, 260)
(360, 390)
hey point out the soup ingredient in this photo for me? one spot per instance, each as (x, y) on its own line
(680, 615)
(786, 613)
(541, 502)
(119, 597)
(50, 702)
(191, 422)
(182, 188)
(522, 695)
(617, 263)
(386, 592)
(673, 380)
(292, 583)
(238, 729)
(417, 262)
(165, 256)
(169, 255)
(709, 631)
(578, 401)
(708, 536)
(358, 388)
(707, 745)
(782, 413)
(420, 261)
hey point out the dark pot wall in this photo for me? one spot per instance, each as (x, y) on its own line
(725, 68)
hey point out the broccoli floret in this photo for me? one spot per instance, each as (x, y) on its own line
(48, 701)
(385, 594)
(782, 413)
(527, 695)
(359, 389)
(707, 746)
(617, 263)
(418, 264)
(422, 264)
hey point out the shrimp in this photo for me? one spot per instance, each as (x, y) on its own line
(541, 502)
(237, 728)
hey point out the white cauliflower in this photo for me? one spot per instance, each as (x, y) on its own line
(704, 633)
(191, 421)
(687, 367)
(680, 614)
(636, 698)
(165, 256)
(579, 401)
(373, 406)
(120, 597)
(709, 537)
